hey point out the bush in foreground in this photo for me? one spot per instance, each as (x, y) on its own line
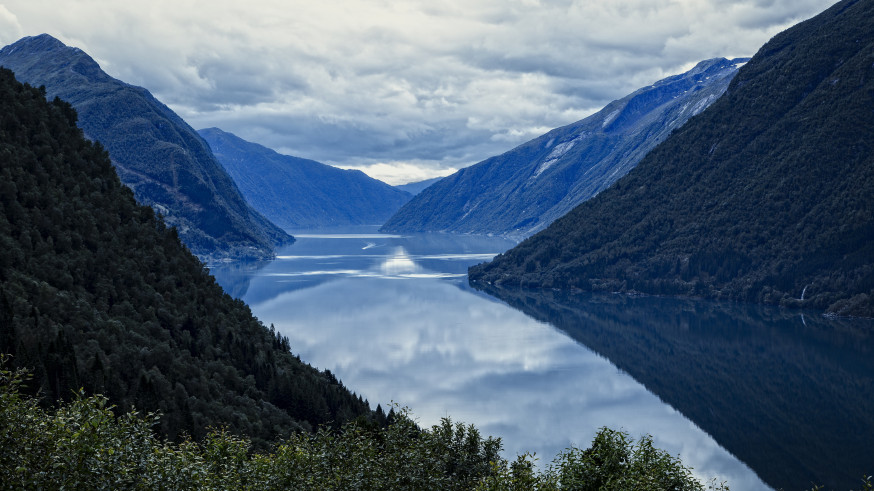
(84, 445)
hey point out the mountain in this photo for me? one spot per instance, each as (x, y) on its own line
(162, 159)
(524, 190)
(96, 292)
(417, 187)
(767, 196)
(297, 193)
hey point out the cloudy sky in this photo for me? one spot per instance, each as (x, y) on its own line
(404, 90)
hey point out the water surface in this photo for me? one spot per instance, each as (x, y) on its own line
(395, 319)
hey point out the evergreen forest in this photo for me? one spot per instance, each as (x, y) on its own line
(125, 366)
(155, 153)
(96, 292)
(767, 196)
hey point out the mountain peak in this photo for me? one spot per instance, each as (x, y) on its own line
(525, 189)
(718, 63)
(158, 155)
(764, 197)
(45, 49)
(298, 193)
(41, 42)
(42, 45)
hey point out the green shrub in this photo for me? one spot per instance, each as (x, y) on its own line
(84, 445)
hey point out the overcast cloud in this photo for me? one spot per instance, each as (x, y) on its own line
(404, 90)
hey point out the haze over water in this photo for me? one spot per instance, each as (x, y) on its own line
(395, 319)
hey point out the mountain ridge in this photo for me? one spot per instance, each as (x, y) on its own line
(521, 191)
(159, 156)
(417, 187)
(299, 194)
(767, 196)
(98, 295)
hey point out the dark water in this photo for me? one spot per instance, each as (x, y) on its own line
(789, 393)
(746, 394)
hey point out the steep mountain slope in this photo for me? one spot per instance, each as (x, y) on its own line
(97, 292)
(297, 193)
(525, 189)
(160, 157)
(417, 187)
(766, 196)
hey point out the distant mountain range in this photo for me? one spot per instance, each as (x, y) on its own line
(417, 187)
(297, 193)
(524, 190)
(160, 157)
(767, 196)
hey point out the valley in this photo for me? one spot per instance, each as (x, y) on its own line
(289, 297)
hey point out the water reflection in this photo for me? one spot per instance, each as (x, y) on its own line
(789, 394)
(317, 258)
(399, 263)
(395, 319)
(445, 352)
(235, 277)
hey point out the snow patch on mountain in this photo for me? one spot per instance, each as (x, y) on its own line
(609, 119)
(703, 103)
(557, 153)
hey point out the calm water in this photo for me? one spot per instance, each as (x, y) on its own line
(787, 395)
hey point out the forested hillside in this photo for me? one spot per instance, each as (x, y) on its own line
(159, 156)
(297, 193)
(767, 196)
(96, 292)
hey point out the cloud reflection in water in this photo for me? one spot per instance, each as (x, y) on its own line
(446, 352)
(403, 326)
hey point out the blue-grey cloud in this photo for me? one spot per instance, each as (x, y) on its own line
(419, 87)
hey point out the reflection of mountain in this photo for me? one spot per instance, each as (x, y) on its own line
(790, 395)
(316, 259)
(234, 277)
(432, 250)
(431, 243)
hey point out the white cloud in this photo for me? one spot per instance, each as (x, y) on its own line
(366, 83)
(396, 173)
(10, 29)
(481, 362)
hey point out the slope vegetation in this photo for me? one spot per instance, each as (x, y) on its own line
(767, 196)
(96, 292)
(157, 154)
